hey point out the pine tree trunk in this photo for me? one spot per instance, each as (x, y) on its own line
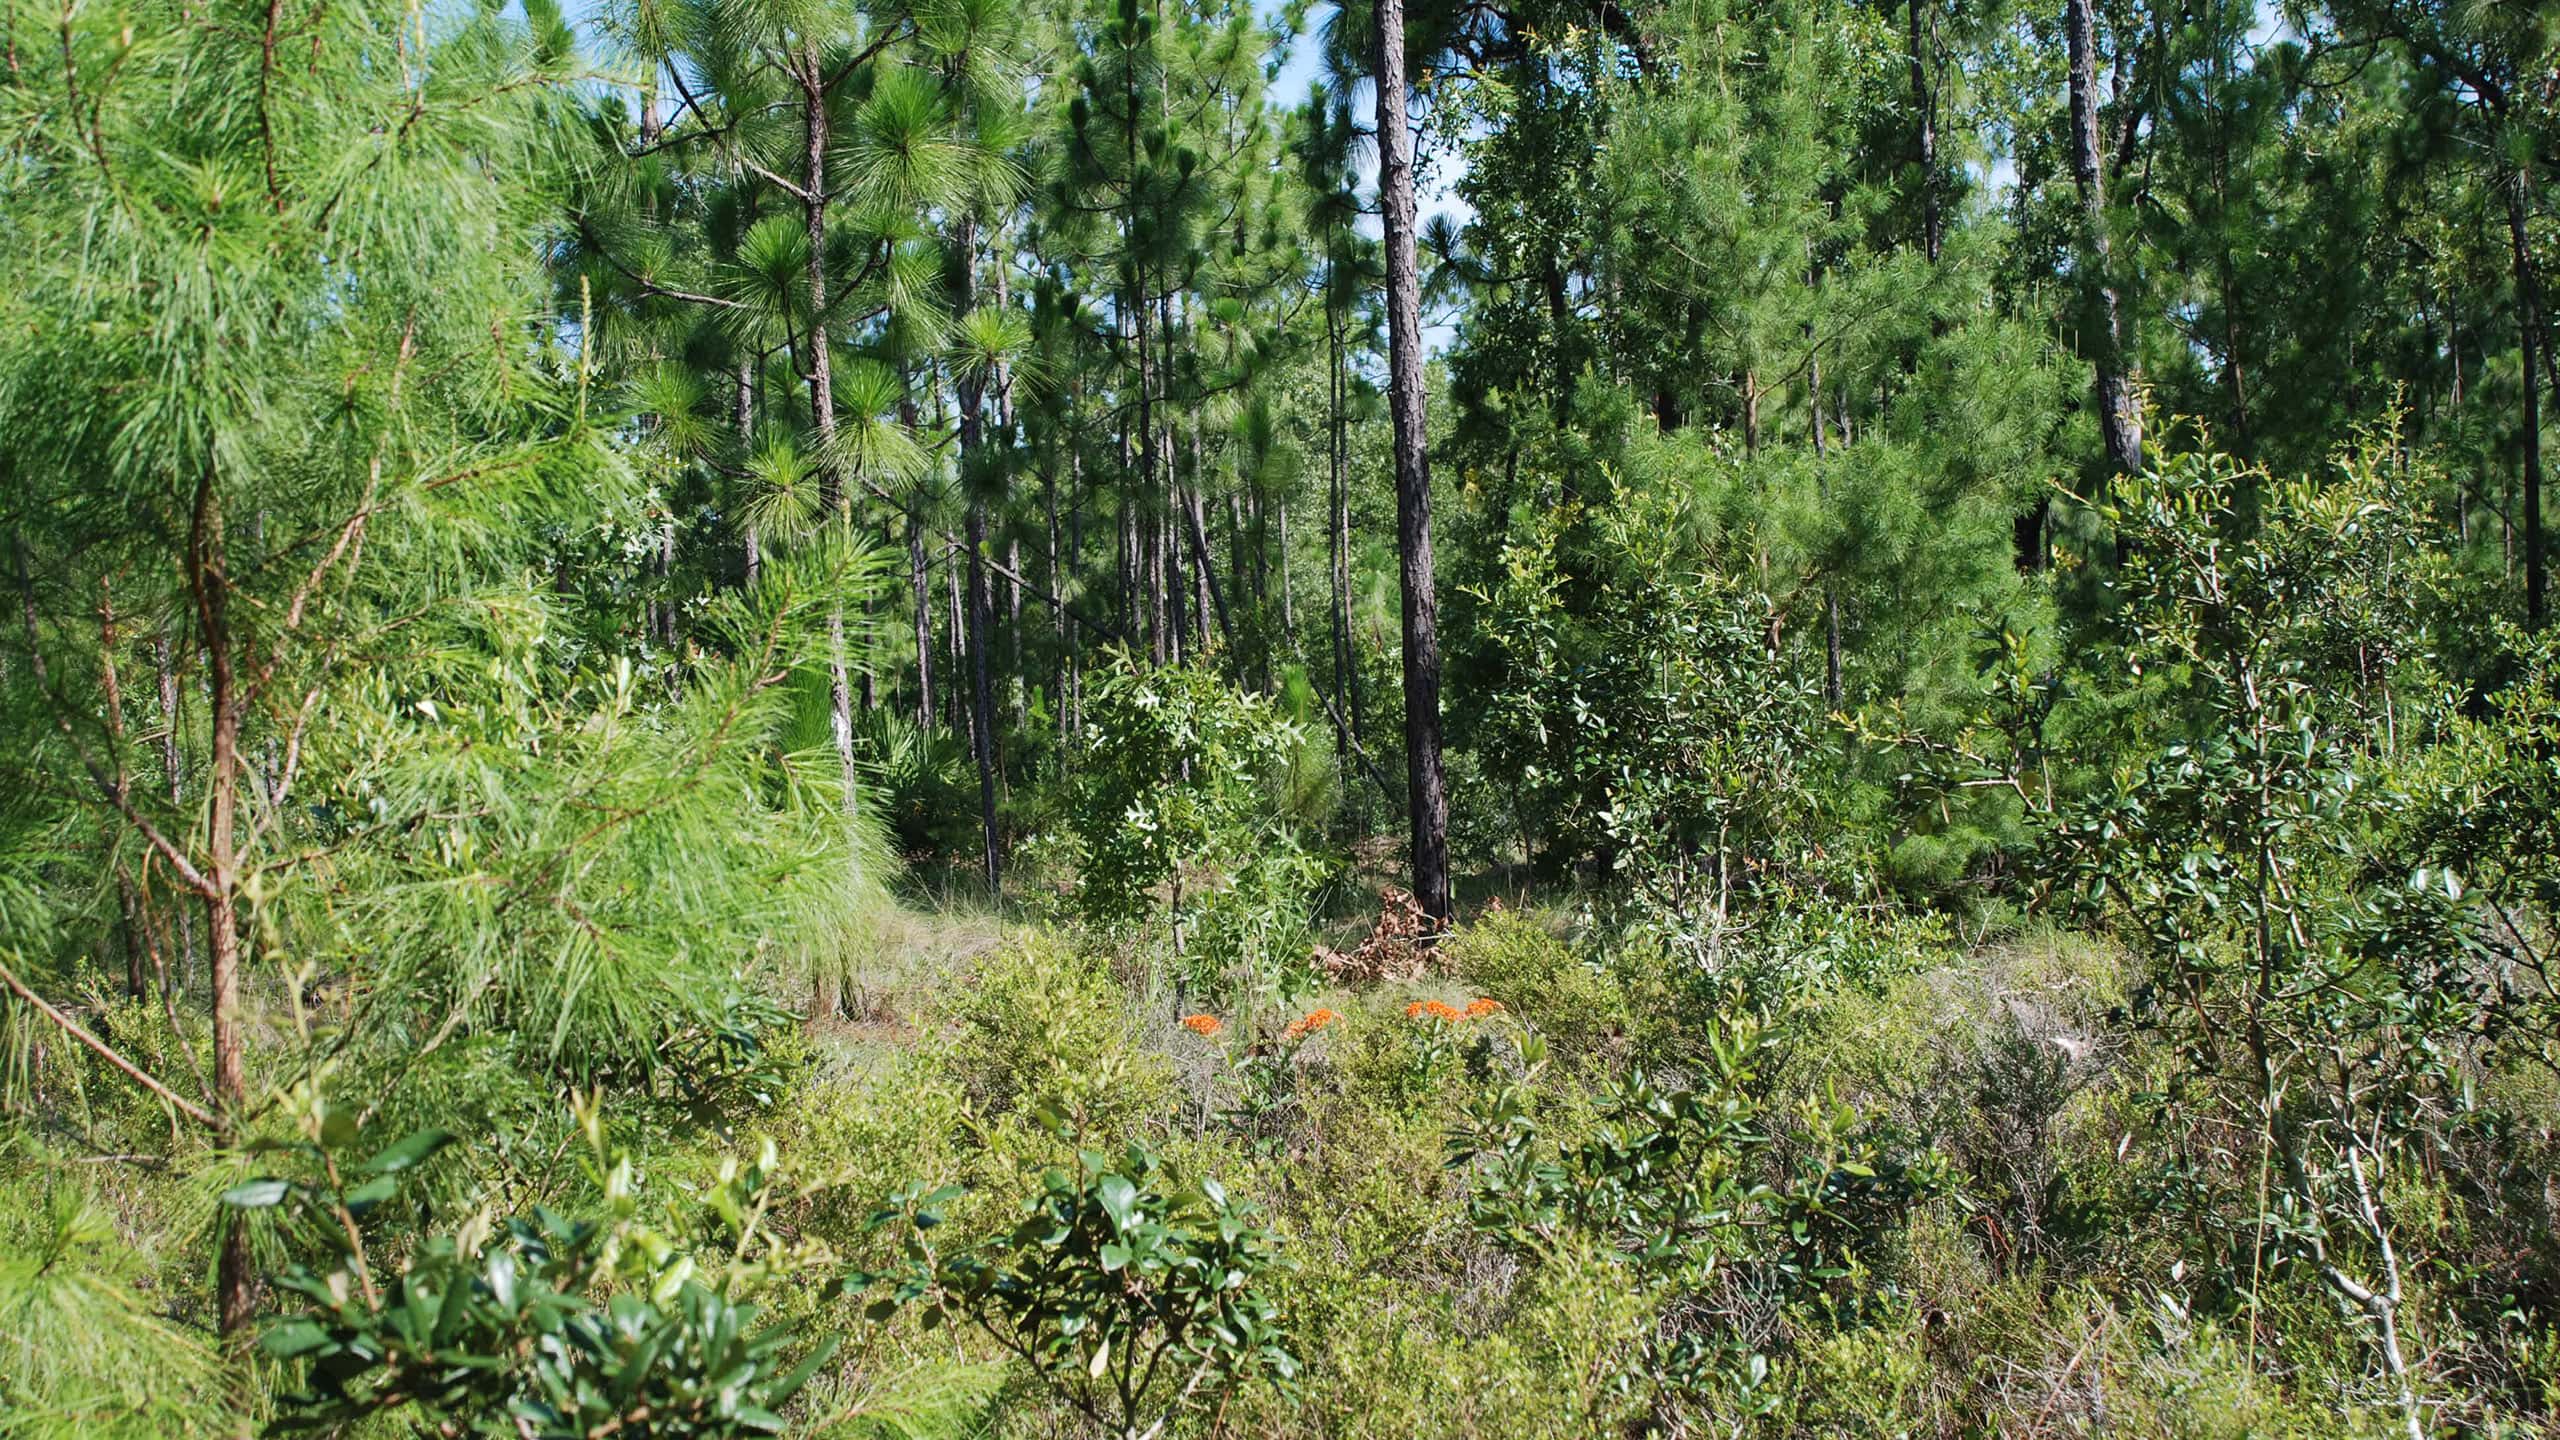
(822, 410)
(1147, 483)
(1215, 600)
(1168, 616)
(1346, 654)
(956, 653)
(1020, 682)
(1924, 113)
(173, 769)
(1069, 640)
(750, 544)
(1288, 601)
(120, 792)
(1125, 526)
(1210, 600)
(982, 733)
(208, 584)
(1337, 547)
(2529, 328)
(1830, 587)
(981, 609)
(920, 574)
(1429, 798)
(2119, 418)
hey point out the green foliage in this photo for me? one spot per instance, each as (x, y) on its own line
(1544, 980)
(2321, 1008)
(83, 1351)
(2051, 951)
(554, 1327)
(1046, 1030)
(1650, 719)
(1176, 818)
(1689, 1186)
(1132, 1295)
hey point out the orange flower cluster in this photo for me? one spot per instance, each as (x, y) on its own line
(1448, 1014)
(1204, 1026)
(1308, 1024)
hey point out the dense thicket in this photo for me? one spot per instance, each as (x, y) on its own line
(706, 704)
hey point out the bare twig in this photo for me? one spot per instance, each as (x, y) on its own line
(73, 1027)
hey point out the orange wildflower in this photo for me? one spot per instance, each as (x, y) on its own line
(1204, 1026)
(1308, 1024)
(1440, 1010)
(1481, 1006)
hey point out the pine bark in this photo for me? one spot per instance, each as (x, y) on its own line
(208, 585)
(1429, 801)
(173, 769)
(2119, 418)
(2529, 328)
(822, 397)
(919, 575)
(1337, 539)
(981, 618)
(750, 542)
(1925, 136)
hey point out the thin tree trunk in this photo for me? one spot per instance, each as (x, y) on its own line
(918, 571)
(1340, 549)
(1217, 599)
(1019, 682)
(982, 720)
(173, 769)
(666, 582)
(2119, 419)
(2529, 304)
(1429, 797)
(111, 686)
(1925, 117)
(956, 653)
(822, 410)
(1822, 486)
(1203, 583)
(1167, 606)
(208, 582)
(2453, 349)
(1069, 637)
(981, 609)
(1125, 524)
(750, 543)
(1288, 600)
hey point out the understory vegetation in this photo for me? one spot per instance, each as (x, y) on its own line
(669, 767)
